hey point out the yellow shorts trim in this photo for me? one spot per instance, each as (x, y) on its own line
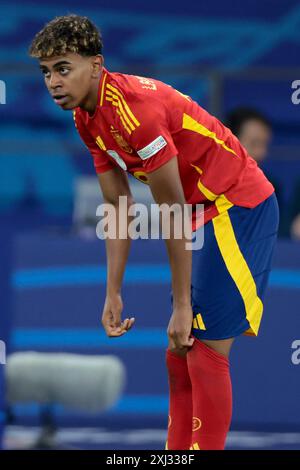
(238, 269)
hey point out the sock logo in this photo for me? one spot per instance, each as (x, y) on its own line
(170, 421)
(196, 424)
(195, 446)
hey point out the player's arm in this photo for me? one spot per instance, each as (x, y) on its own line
(153, 142)
(149, 115)
(114, 183)
(166, 188)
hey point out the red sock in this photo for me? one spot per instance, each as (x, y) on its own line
(180, 403)
(212, 397)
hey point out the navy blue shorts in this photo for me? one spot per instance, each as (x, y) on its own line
(230, 273)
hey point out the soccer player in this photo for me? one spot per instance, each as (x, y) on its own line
(149, 129)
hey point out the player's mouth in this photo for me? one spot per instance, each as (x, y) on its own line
(61, 99)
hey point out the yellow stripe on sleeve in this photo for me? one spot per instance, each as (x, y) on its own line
(191, 124)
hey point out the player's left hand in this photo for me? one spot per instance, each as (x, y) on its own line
(180, 327)
(111, 317)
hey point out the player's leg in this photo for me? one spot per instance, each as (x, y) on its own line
(208, 366)
(180, 423)
(180, 399)
(228, 283)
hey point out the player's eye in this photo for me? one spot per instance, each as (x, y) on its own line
(63, 70)
(46, 73)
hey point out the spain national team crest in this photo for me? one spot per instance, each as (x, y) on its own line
(120, 140)
(196, 424)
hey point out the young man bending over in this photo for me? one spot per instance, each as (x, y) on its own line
(149, 129)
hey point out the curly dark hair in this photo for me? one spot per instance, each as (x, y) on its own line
(70, 33)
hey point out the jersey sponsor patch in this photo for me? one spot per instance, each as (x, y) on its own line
(118, 159)
(152, 148)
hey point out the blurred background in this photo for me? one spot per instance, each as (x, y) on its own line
(240, 61)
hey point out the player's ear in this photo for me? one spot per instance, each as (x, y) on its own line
(97, 64)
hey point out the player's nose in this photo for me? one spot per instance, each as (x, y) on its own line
(54, 81)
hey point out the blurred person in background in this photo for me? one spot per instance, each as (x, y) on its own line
(143, 126)
(254, 131)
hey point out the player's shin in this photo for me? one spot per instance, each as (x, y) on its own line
(212, 397)
(180, 403)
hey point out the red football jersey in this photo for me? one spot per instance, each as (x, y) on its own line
(141, 123)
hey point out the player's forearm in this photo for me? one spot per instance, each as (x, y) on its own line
(117, 251)
(166, 187)
(181, 266)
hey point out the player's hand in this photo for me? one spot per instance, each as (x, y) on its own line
(111, 317)
(180, 327)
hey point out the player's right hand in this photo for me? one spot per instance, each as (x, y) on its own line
(179, 328)
(111, 317)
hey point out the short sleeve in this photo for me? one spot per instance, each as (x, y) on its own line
(101, 161)
(152, 139)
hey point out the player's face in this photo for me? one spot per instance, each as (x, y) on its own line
(255, 136)
(71, 79)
